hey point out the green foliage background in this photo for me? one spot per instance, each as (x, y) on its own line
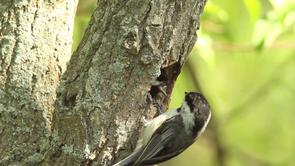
(244, 63)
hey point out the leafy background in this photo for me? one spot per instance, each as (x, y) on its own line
(244, 63)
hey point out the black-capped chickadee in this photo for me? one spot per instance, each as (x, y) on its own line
(170, 133)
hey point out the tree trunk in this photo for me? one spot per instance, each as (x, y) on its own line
(35, 44)
(131, 52)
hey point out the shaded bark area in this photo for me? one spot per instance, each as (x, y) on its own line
(112, 79)
(35, 44)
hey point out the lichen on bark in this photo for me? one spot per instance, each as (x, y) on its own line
(35, 44)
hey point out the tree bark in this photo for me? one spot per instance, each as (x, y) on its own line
(132, 50)
(35, 44)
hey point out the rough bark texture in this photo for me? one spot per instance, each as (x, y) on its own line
(104, 92)
(131, 49)
(35, 44)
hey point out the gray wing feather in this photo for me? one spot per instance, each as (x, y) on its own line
(130, 159)
(164, 144)
(154, 146)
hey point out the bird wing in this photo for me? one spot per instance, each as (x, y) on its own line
(154, 146)
(129, 160)
(155, 150)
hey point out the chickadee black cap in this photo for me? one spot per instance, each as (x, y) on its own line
(201, 109)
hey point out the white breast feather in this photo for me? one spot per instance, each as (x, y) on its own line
(151, 126)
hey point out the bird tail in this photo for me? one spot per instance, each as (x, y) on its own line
(129, 160)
